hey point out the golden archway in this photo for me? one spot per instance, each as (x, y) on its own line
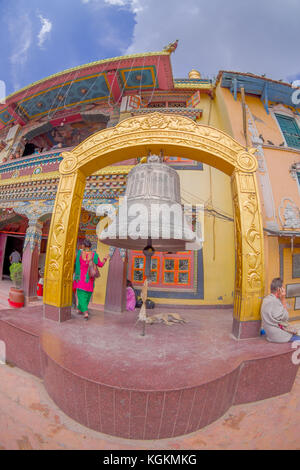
(174, 134)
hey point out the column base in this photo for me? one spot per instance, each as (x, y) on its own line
(116, 310)
(115, 298)
(246, 329)
(59, 314)
(32, 298)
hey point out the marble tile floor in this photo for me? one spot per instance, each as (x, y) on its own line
(29, 419)
(5, 285)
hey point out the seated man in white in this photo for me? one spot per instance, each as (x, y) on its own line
(274, 313)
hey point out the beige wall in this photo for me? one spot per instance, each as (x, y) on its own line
(276, 173)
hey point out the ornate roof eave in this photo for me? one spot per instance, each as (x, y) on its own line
(252, 75)
(283, 233)
(188, 112)
(194, 84)
(87, 66)
(110, 170)
(267, 89)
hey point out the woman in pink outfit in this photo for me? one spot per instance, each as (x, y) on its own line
(130, 296)
(84, 283)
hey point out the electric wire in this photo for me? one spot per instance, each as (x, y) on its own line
(197, 198)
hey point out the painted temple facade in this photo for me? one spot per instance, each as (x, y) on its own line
(41, 122)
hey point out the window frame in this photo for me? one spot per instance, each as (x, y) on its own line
(298, 180)
(176, 271)
(289, 115)
(160, 269)
(133, 269)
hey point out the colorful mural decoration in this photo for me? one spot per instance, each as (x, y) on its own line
(144, 77)
(70, 93)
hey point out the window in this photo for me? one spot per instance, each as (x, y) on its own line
(176, 271)
(177, 159)
(296, 265)
(290, 130)
(138, 269)
(156, 105)
(176, 105)
(167, 270)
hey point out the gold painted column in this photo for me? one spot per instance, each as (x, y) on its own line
(249, 243)
(62, 242)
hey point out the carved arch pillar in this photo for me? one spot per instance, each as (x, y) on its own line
(62, 241)
(249, 278)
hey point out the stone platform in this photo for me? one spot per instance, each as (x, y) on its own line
(173, 381)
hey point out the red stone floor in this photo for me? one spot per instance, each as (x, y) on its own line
(5, 285)
(29, 419)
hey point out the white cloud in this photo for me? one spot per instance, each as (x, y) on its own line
(258, 36)
(116, 2)
(45, 30)
(20, 44)
(133, 5)
(24, 39)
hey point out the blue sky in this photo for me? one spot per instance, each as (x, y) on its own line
(39, 38)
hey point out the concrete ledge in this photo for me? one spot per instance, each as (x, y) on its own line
(246, 329)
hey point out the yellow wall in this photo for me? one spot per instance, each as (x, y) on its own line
(220, 116)
(100, 283)
(212, 187)
(214, 112)
(272, 264)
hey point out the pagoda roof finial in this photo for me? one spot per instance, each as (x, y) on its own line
(171, 47)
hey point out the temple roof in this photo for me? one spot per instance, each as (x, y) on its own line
(102, 81)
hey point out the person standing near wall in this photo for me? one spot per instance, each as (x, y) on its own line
(15, 257)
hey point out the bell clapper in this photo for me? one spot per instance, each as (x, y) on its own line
(148, 252)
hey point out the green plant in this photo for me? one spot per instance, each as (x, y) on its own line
(16, 274)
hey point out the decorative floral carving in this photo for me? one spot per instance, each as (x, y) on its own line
(170, 129)
(289, 214)
(68, 164)
(246, 161)
(249, 247)
(59, 270)
(33, 235)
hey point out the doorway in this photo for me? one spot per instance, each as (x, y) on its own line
(12, 243)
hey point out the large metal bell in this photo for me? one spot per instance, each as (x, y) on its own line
(150, 210)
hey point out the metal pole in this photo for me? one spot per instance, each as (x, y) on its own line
(244, 116)
(148, 252)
